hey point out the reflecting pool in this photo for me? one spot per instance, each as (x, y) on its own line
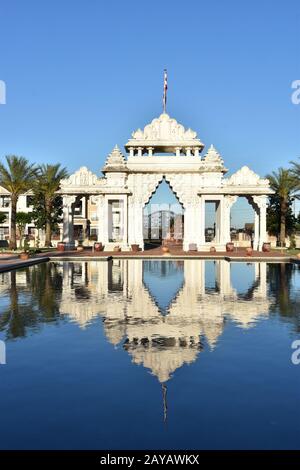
(150, 354)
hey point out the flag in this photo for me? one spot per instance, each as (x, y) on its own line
(165, 90)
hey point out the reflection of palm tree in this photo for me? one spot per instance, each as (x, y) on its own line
(41, 306)
(44, 283)
(13, 319)
(280, 281)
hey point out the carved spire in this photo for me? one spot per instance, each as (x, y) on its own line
(115, 161)
(213, 155)
(164, 134)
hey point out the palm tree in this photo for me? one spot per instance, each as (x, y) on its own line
(16, 177)
(285, 185)
(296, 170)
(46, 187)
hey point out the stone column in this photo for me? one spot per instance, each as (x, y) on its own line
(261, 203)
(256, 229)
(99, 201)
(196, 152)
(125, 221)
(254, 205)
(263, 223)
(135, 222)
(68, 229)
(150, 151)
(227, 204)
(140, 151)
(192, 222)
(201, 222)
(178, 149)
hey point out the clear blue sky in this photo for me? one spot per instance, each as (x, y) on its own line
(82, 75)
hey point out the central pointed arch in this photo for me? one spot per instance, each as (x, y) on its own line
(163, 216)
(169, 180)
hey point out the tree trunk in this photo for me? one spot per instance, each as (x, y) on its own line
(13, 234)
(283, 211)
(48, 224)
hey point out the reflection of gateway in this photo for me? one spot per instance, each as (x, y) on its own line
(132, 317)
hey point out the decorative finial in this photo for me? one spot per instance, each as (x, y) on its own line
(165, 91)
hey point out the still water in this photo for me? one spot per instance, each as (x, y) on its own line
(132, 354)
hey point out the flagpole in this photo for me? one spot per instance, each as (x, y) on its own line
(165, 90)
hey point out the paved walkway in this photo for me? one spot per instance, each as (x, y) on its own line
(15, 262)
(174, 251)
(12, 261)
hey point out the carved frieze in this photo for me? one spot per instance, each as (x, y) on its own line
(246, 177)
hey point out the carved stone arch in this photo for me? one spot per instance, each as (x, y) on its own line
(183, 187)
(177, 186)
(154, 180)
(151, 186)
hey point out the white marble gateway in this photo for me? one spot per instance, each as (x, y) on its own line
(164, 149)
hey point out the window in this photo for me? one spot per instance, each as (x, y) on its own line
(29, 201)
(7, 218)
(4, 201)
(78, 209)
(4, 233)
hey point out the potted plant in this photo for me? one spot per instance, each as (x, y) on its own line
(212, 249)
(229, 246)
(135, 247)
(249, 251)
(266, 247)
(165, 249)
(98, 246)
(117, 248)
(60, 246)
(79, 246)
(25, 254)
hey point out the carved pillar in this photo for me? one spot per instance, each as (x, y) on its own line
(201, 222)
(192, 222)
(227, 204)
(99, 201)
(150, 151)
(188, 151)
(219, 224)
(125, 220)
(196, 151)
(68, 229)
(254, 205)
(178, 150)
(263, 222)
(256, 230)
(131, 151)
(135, 222)
(140, 151)
(261, 203)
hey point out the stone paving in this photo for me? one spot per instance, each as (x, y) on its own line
(12, 261)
